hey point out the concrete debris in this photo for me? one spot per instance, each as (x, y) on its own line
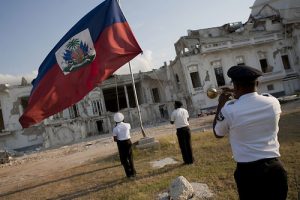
(180, 189)
(163, 196)
(4, 157)
(201, 191)
(161, 163)
(148, 143)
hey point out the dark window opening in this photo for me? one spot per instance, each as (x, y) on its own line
(163, 112)
(74, 111)
(1, 120)
(131, 97)
(177, 78)
(286, 62)
(111, 101)
(112, 98)
(100, 126)
(155, 94)
(270, 87)
(264, 65)
(177, 81)
(24, 102)
(219, 76)
(241, 64)
(195, 79)
(58, 115)
(96, 105)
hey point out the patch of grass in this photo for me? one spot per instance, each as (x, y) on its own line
(214, 165)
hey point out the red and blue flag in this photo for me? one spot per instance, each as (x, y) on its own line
(94, 48)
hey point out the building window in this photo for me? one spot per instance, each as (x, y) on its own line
(73, 111)
(218, 72)
(219, 76)
(264, 65)
(155, 95)
(177, 81)
(270, 87)
(240, 60)
(96, 105)
(24, 102)
(58, 115)
(195, 78)
(1, 119)
(286, 62)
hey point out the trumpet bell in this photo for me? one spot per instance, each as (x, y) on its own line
(212, 93)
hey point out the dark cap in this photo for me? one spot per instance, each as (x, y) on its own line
(243, 73)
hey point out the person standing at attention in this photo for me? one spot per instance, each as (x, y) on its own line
(251, 120)
(121, 134)
(180, 117)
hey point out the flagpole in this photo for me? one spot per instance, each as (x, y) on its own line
(117, 92)
(136, 101)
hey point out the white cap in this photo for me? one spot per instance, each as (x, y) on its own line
(118, 117)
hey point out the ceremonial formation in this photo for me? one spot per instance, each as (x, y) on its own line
(237, 74)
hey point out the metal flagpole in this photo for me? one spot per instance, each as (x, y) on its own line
(136, 101)
(117, 92)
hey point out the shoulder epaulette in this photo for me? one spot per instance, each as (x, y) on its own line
(231, 102)
(266, 94)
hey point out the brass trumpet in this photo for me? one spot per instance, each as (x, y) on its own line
(214, 92)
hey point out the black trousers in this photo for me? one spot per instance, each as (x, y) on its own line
(126, 158)
(185, 144)
(264, 179)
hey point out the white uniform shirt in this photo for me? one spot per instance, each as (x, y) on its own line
(252, 124)
(180, 117)
(121, 131)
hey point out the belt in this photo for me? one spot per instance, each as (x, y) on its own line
(256, 162)
(124, 140)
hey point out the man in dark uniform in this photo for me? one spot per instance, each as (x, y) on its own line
(251, 120)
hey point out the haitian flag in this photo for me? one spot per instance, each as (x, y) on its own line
(99, 44)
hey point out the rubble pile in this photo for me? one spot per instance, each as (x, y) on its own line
(4, 157)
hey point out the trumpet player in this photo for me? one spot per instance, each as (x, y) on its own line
(251, 120)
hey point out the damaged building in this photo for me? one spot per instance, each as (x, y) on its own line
(93, 115)
(269, 41)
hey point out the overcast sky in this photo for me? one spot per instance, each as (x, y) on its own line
(29, 29)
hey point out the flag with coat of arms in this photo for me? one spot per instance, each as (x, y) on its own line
(94, 48)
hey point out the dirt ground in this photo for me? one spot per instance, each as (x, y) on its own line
(39, 165)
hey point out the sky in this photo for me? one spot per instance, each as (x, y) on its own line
(29, 29)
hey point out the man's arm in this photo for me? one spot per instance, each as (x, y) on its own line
(115, 135)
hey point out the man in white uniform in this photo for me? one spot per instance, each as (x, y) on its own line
(180, 117)
(121, 134)
(251, 120)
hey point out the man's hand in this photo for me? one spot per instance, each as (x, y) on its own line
(226, 95)
(115, 139)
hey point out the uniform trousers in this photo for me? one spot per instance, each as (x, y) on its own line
(184, 140)
(126, 157)
(264, 179)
